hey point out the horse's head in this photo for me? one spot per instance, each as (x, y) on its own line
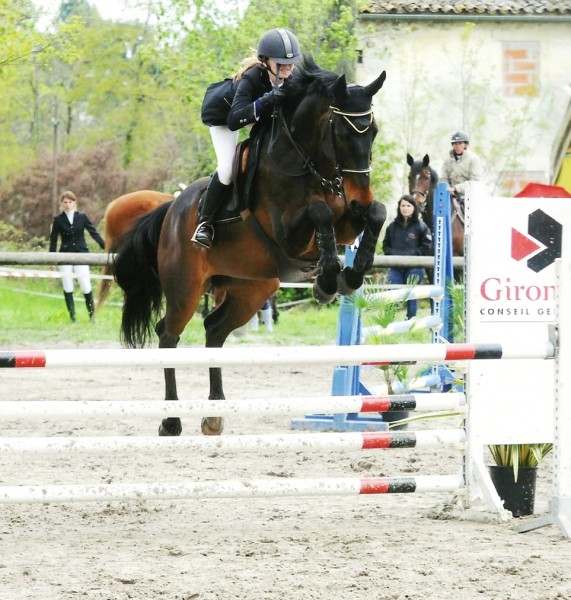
(310, 92)
(354, 131)
(334, 122)
(422, 180)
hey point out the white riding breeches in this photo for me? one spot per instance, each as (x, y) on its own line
(82, 274)
(224, 142)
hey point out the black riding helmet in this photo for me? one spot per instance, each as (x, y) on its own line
(280, 45)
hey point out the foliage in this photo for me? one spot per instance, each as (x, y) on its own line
(381, 312)
(86, 87)
(28, 205)
(519, 455)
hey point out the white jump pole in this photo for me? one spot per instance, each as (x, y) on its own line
(382, 440)
(417, 292)
(252, 488)
(52, 409)
(241, 357)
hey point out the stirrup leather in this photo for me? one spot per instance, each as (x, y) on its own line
(204, 235)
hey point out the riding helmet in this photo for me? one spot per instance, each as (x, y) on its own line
(280, 45)
(459, 136)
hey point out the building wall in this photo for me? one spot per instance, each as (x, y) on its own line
(502, 83)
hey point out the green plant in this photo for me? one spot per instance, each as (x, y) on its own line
(519, 455)
(380, 312)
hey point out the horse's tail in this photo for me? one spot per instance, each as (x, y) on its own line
(136, 272)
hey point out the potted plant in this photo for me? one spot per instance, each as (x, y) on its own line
(515, 472)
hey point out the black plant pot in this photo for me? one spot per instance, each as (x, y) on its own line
(518, 496)
(396, 415)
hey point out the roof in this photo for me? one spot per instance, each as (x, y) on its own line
(536, 8)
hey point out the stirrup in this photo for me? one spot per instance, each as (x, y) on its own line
(204, 235)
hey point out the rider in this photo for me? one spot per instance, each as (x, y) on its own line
(461, 166)
(253, 92)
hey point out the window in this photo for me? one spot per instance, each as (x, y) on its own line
(521, 68)
(512, 182)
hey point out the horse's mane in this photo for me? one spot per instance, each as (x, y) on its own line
(309, 78)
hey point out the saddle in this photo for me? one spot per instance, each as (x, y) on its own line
(458, 208)
(240, 207)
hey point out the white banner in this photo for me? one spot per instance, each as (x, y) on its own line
(512, 244)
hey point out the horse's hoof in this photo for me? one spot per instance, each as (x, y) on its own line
(321, 296)
(212, 425)
(170, 427)
(348, 281)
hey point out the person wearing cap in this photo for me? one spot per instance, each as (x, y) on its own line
(462, 165)
(407, 235)
(247, 98)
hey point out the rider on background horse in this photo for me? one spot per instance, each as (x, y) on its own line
(246, 98)
(461, 166)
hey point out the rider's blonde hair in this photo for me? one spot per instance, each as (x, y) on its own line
(247, 64)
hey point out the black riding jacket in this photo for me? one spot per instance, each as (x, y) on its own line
(72, 234)
(234, 104)
(411, 239)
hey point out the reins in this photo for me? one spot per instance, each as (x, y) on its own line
(331, 186)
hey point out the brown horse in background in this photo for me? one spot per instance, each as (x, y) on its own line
(422, 180)
(120, 215)
(310, 192)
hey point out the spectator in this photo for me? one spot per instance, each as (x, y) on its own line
(407, 235)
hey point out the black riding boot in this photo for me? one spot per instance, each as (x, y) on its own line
(214, 197)
(90, 305)
(70, 305)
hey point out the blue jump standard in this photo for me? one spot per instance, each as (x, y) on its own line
(346, 379)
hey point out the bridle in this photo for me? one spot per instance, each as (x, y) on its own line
(347, 117)
(333, 185)
(424, 175)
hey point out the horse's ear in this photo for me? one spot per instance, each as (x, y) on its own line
(426, 160)
(409, 160)
(340, 88)
(376, 85)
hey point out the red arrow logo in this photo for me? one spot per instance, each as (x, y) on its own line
(522, 246)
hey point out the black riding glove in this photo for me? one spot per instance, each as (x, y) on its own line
(274, 98)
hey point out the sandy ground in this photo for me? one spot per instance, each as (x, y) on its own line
(390, 547)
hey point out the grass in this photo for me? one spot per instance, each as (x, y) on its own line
(32, 311)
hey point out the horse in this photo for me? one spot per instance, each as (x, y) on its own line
(310, 191)
(422, 180)
(119, 216)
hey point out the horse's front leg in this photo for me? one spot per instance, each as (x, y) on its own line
(374, 215)
(325, 286)
(170, 425)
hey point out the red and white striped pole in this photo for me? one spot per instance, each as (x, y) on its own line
(239, 357)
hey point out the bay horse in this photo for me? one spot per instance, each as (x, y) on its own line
(119, 216)
(422, 180)
(311, 190)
